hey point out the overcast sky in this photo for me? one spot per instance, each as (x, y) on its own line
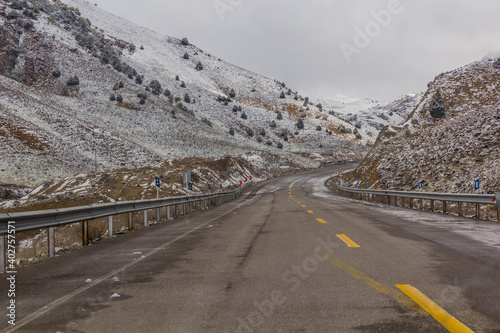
(358, 48)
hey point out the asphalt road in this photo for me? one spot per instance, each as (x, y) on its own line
(288, 256)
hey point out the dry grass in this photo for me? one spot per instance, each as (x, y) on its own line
(10, 130)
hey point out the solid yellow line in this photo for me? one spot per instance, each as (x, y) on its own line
(310, 212)
(321, 221)
(347, 240)
(443, 317)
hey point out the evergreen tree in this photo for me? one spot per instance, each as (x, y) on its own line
(437, 108)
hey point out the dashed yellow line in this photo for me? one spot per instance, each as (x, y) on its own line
(304, 206)
(347, 240)
(443, 317)
(310, 212)
(321, 221)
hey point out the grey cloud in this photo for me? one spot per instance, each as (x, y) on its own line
(298, 41)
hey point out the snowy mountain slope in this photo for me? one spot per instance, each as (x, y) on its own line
(83, 90)
(372, 115)
(450, 139)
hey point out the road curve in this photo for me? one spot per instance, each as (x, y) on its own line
(288, 256)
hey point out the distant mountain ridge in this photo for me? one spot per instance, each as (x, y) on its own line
(371, 115)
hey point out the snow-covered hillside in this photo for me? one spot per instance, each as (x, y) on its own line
(450, 140)
(83, 90)
(370, 115)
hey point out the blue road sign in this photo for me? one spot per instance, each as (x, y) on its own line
(476, 185)
(209, 187)
(190, 186)
(349, 184)
(388, 185)
(340, 182)
(420, 185)
(221, 186)
(157, 182)
(367, 185)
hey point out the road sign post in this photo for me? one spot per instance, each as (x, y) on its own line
(186, 179)
(157, 184)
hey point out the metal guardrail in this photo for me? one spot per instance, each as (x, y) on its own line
(24, 221)
(485, 199)
(460, 198)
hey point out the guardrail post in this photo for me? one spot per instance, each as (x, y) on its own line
(145, 217)
(478, 214)
(498, 214)
(184, 208)
(51, 242)
(85, 233)
(110, 227)
(411, 203)
(2, 254)
(444, 207)
(459, 209)
(157, 215)
(130, 226)
(168, 213)
(432, 205)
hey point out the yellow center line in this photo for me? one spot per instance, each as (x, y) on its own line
(310, 212)
(347, 240)
(405, 294)
(395, 293)
(298, 202)
(443, 317)
(321, 221)
(304, 206)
